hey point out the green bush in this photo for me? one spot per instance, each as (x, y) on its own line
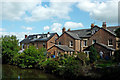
(9, 48)
(93, 54)
(30, 57)
(117, 55)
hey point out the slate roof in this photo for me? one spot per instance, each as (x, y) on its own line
(82, 33)
(42, 37)
(106, 46)
(103, 45)
(64, 48)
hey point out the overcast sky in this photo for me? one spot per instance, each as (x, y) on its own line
(20, 17)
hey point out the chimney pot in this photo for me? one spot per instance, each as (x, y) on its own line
(25, 36)
(92, 25)
(104, 25)
(69, 29)
(63, 30)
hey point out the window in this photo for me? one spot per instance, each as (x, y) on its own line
(110, 42)
(85, 42)
(37, 45)
(59, 43)
(23, 46)
(71, 44)
(94, 41)
(28, 46)
(71, 53)
(59, 53)
(44, 45)
(93, 31)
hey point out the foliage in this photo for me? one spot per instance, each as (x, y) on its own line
(9, 48)
(29, 58)
(117, 31)
(82, 56)
(93, 54)
(117, 55)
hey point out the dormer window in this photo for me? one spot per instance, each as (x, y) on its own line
(38, 36)
(93, 31)
(48, 35)
(110, 42)
(71, 44)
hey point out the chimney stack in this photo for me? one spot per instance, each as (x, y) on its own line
(69, 29)
(92, 25)
(25, 36)
(104, 25)
(63, 30)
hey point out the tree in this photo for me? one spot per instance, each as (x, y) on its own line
(82, 56)
(30, 57)
(117, 52)
(117, 55)
(117, 32)
(9, 48)
(93, 54)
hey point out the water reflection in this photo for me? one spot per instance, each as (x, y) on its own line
(11, 72)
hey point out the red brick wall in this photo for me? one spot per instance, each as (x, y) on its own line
(55, 50)
(103, 36)
(51, 42)
(65, 40)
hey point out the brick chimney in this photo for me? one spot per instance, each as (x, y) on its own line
(48, 32)
(63, 30)
(92, 25)
(69, 29)
(104, 25)
(25, 36)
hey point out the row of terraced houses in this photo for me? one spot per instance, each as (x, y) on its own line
(75, 41)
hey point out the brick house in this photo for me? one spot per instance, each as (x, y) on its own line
(79, 40)
(39, 40)
(57, 50)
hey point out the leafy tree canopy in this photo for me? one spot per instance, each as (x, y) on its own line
(9, 47)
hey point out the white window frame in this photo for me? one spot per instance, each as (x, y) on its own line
(59, 43)
(85, 43)
(70, 43)
(93, 41)
(109, 43)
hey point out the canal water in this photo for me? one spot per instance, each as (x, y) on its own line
(10, 72)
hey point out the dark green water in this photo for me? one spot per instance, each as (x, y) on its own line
(13, 72)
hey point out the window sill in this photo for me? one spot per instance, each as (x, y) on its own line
(110, 45)
(85, 46)
(70, 46)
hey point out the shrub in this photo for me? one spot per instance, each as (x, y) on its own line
(9, 48)
(117, 55)
(93, 54)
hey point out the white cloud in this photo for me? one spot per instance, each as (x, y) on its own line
(2, 29)
(73, 25)
(17, 10)
(101, 11)
(46, 28)
(98, 10)
(27, 28)
(56, 27)
(19, 35)
(55, 10)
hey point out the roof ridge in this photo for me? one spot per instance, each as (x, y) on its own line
(112, 26)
